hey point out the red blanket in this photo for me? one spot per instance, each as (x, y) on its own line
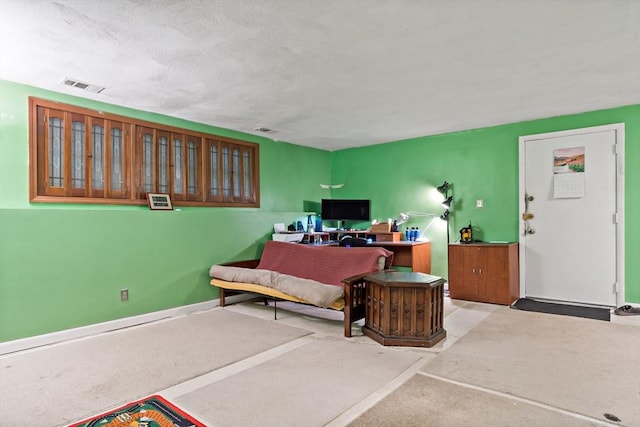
(326, 264)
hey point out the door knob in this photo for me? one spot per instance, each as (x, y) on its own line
(531, 231)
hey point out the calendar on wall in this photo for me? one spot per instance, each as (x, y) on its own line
(568, 173)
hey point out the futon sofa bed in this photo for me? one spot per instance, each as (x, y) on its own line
(324, 276)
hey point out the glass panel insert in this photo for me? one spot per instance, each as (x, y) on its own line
(177, 166)
(213, 164)
(98, 157)
(236, 172)
(77, 154)
(192, 185)
(116, 159)
(247, 173)
(56, 153)
(163, 164)
(147, 162)
(226, 172)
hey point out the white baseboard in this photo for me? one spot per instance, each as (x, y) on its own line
(96, 328)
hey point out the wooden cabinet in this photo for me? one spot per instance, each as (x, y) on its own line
(484, 272)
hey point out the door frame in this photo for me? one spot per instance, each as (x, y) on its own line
(618, 128)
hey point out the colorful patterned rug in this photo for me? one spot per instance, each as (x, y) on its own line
(152, 411)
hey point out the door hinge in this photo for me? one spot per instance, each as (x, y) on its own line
(615, 148)
(615, 218)
(616, 287)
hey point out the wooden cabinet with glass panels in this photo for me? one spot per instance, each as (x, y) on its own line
(168, 163)
(78, 155)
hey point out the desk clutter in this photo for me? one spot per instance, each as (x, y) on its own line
(415, 255)
(314, 232)
(280, 234)
(334, 237)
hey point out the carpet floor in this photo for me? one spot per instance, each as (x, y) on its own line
(238, 367)
(580, 365)
(312, 370)
(424, 401)
(109, 370)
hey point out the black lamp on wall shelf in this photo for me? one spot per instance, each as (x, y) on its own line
(446, 204)
(444, 188)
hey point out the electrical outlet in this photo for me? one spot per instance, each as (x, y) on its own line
(124, 294)
(479, 203)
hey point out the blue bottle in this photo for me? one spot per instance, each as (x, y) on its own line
(407, 234)
(417, 236)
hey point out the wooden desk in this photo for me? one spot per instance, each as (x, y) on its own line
(404, 308)
(416, 255)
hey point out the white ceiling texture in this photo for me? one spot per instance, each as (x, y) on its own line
(332, 74)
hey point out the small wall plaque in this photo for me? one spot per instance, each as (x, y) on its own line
(158, 201)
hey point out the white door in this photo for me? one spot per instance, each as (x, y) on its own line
(571, 189)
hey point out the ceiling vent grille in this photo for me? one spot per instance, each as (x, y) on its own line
(264, 130)
(83, 86)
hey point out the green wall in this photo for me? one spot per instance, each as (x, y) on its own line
(62, 266)
(481, 164)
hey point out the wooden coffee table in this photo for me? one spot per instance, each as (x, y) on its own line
(404, 308)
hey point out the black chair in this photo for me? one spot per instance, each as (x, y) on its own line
(353, 242)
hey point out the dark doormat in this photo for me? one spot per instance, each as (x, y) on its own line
(528, 304)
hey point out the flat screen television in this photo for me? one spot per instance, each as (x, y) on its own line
(346, 209)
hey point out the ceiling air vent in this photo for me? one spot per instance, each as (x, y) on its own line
(84, 86)
(264, 130)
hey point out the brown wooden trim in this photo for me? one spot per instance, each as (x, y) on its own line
(36, 128)
(87, 200)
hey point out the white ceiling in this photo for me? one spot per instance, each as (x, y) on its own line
(332, 74)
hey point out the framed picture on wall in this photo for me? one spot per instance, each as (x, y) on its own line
(159, 201)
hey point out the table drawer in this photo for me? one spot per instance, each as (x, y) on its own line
(388, 237)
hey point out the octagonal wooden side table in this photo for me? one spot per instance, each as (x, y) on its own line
(404, 308)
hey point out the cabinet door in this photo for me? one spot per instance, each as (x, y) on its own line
(491, 270)
(463, 283)
(499, 281)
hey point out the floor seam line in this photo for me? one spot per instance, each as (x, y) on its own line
(227, 371)
(372, 399)
(520, 399)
